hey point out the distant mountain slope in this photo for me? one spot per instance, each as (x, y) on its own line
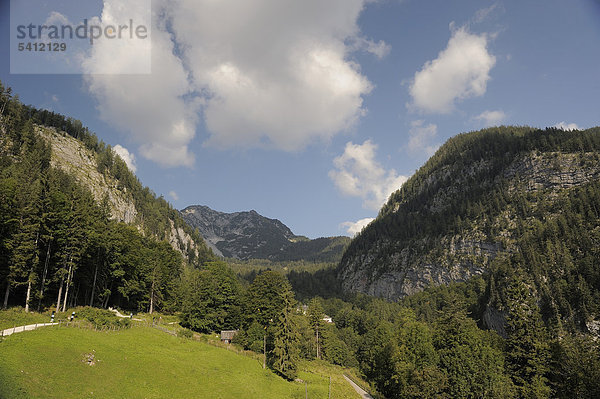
(248, 235)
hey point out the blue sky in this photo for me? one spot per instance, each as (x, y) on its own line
(312, 112)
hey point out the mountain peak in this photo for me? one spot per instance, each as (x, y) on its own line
(249, 235)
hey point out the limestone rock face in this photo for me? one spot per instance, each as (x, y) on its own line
(407, 273)
(71, 155)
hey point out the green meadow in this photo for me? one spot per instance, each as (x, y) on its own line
(15, 317)
(142, 362)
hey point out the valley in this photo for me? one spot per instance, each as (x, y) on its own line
(479, 277)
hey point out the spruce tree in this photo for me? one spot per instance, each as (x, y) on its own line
(315, 317)
(285, 353)
(527, 343)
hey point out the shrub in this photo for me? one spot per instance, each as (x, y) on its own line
(185, 333)
(102, 318)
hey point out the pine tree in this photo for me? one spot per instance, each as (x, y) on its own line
(315, 317)
(527, 344)
(285, 353)
(263, 298)
(23, 244)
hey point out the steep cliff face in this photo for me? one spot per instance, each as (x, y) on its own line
(408, 270)
(71, 155)
(459, 212)
(249, 235)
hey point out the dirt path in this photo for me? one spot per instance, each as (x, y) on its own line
(29, 327)
(121, 315)
(363, 394)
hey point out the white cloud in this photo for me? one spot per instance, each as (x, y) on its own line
(358, 174)
(353, 228)
(490, 118)
(267, 73)
(126, 156)
(379, 49)
(276, 70)
(482, 14)
(459, 72)
(56, 18)
(421, 138)
(567, 126)
(149, 107)
(173, 195)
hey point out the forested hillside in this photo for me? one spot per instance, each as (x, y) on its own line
(515, 212)
(63, 237)
(522, 197)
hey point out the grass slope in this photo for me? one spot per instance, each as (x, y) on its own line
(143, 362)
(15, 317)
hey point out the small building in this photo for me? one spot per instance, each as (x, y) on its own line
(327, 319)
(227, 335)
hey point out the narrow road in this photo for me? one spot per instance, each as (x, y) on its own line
(29, 327)
(363, 394)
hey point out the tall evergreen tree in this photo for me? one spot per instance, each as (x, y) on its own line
(315, 317)
(285, 352)
(527, 344)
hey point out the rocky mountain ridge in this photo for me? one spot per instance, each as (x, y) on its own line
(249, 235)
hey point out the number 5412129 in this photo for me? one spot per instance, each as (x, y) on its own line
(28, 46)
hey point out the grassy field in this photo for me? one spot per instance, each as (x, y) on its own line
(142, 362)
(15, 317)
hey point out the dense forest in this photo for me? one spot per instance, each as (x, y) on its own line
(534, 195)
(548, 236)
(60, 248)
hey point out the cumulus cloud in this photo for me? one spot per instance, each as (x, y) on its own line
(353, 228)
(567, 126)
(490, 118)
(126, 156)
(151, 108)
(422, 138)
(173, 195)
(357, 173)
(265, 73)
(459, 72)
(276, 71)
